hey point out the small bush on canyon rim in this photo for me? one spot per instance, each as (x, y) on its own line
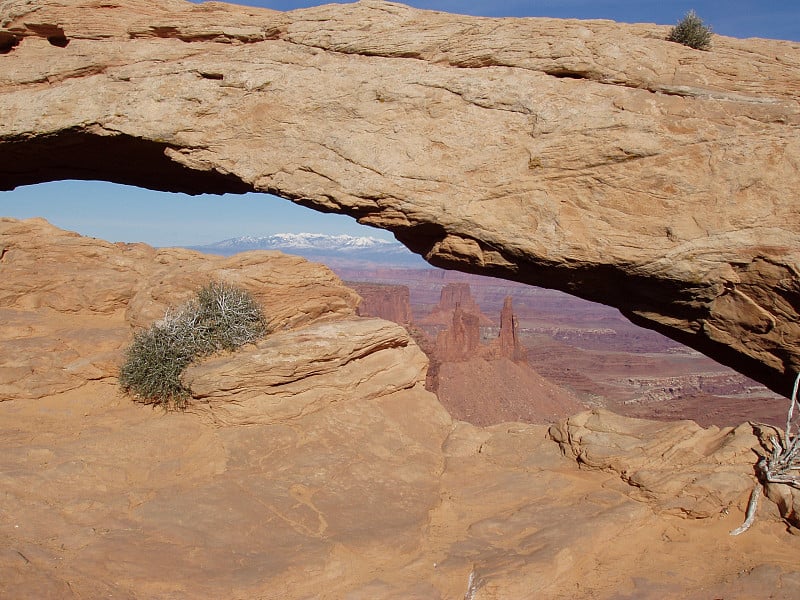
(690, 31)
(220, 317)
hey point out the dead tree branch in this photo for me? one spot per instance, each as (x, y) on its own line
(782, 464)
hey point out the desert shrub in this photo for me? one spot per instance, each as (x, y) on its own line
(220, 317)
(153, 366)
(227, 317)
(690, 31)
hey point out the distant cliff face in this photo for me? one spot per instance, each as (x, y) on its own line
(390, 302)
(489, 383)
(462, 339)
(482, 383)
(588, 156)
(507, 343)
(453, 297)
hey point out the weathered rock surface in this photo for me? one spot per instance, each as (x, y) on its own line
(378, 498)
(318, 467)
(683, 467)
(390, 302)
(52, 338)
(291, 374)
(588, 156)
(455, 296)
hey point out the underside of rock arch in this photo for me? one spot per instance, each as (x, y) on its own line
(588, 156)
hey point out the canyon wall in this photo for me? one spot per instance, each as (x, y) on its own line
(390, 302)
(588, 156)
(452, 297)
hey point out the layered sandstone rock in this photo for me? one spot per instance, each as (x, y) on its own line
(452, 297)
(295, 373)
(682, 467)
(313, 464)
(588, 156)
(390, 302)
(70, 303)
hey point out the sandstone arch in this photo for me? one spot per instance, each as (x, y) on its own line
(591, 157)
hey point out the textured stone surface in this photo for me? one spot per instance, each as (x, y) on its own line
(382, 498)
(390, 302)
(291, 374)
(55, 284)
(587, 156)
(314, 465)
(684, 468)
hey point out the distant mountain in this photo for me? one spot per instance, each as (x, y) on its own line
(328, 249)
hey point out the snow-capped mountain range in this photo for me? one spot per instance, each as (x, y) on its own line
(318, 241)
(321, 247)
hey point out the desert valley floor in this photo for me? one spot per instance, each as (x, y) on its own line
(588, 349)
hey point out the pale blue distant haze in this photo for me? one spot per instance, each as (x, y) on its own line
(120, 213)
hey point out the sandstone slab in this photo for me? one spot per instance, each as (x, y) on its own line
(291, 374)
(682, 467)
(588, 156)
(69, 304)
(377, 498)
(320, 468)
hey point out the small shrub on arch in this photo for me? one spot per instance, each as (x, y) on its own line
(219, 317)
(690, 31)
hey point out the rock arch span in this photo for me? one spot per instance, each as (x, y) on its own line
(587, 156)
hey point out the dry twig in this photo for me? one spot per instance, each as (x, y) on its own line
(782, 465)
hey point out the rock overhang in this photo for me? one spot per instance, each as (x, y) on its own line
(591, 157)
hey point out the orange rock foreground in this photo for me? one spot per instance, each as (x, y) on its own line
(315, 465)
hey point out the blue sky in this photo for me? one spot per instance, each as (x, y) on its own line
(121, 213)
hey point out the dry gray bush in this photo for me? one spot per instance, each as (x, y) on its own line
(220, 317)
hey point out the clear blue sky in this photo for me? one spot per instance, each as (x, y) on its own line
(119, 213)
